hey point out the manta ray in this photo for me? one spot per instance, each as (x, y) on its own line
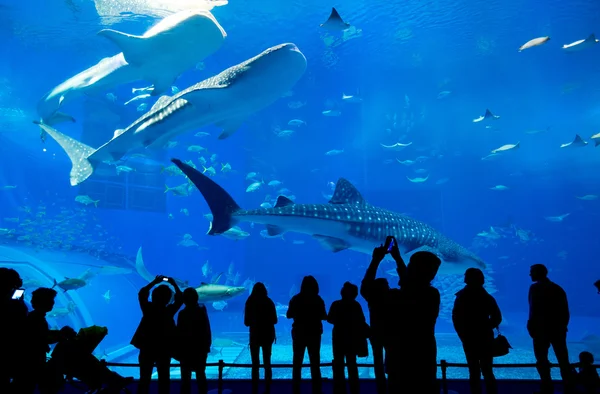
(174, 45)
(347, 222)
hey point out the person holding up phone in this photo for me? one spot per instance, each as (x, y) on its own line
(407, 318)
(14, 310)
(155, 336)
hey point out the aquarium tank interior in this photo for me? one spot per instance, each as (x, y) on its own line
(313, 134)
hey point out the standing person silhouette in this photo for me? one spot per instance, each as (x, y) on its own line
(307, 309)
(260, 316)
(349, 338)
(475, 315)
(547, 325)
(193, 340)
(155, 336)
(14, 313)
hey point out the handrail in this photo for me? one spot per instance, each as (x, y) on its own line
(443, 364)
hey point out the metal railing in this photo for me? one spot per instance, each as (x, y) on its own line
(444, 365)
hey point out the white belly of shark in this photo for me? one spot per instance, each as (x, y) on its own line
(225, 100)
(347, 222)
(190, 36)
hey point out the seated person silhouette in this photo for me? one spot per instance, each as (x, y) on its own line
(587, 376)
(36, 340)
(73, 358)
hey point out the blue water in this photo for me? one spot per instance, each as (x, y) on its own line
(401, 57)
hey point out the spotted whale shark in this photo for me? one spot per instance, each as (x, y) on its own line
(174, 45)
(346, 222)
(225, 100)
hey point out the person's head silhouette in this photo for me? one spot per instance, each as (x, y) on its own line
(474, 277)
(349, 291)
(161, 295)
(259, 290)
(309, 286)
(9, 282)
(42, 299)
(190, 297)
(586, 359)
(538, 272)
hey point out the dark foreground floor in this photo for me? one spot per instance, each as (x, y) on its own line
(281, 386)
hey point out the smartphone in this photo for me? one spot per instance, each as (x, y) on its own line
(165, 279)
(391, 246)
(18, 294)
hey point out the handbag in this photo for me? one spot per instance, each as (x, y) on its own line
(500, 345)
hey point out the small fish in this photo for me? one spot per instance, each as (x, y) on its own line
(534, 43)
(334, 152)
(499, 187)
(556, 219)
(86, 200)
(8, 187)
(296, 122)
(351, 99)
(225, 167)
(219, 305)
(106, 296)
(506, 148)
(332, 112)
(142, 107)
(142, 90)
(578, 45)
(253, 187)
(442, 95)
(588, 197)
(138, 97)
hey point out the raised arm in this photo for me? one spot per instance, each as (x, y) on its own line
(367, 283)
(178, 298)
(144, 292)
(400, 265)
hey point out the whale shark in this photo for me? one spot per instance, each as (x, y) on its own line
(347, 222)
(160, 55)
(225, 100)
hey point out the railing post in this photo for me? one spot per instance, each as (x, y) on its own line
(444, 366)
(220, 382)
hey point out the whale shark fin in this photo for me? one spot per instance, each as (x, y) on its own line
(58, 117)
(229, 127)
(274, 230)
(596, 142)
(346, 193)
(221, 204)
(331, 243)
(162, 100)
(135, 48)
(78, 152)
(591, 37)
(283, 201)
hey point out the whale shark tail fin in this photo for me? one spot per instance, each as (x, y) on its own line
(78, 152)
(221, 204)
(135, 48)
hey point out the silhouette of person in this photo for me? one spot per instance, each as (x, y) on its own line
(375, 294)
(410, 345)
(418, 304)
(260, 316)
(349, 338)
(307, 309)
(384, 323)
(14, 313)
(37, 338)
(475, 315)
(155, 335)
(72, 357)
(195, 339)
(587, 377)
(547, 325)
(597, 285)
